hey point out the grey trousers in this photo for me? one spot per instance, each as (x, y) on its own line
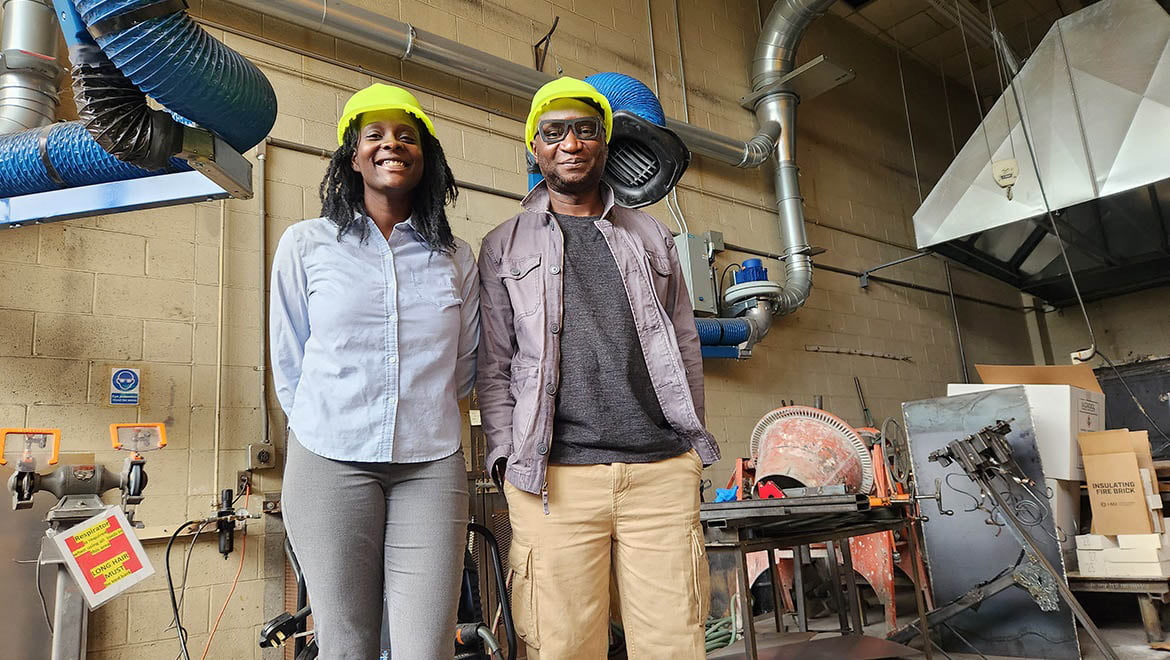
(362, 531)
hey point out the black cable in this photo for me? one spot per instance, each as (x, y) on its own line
(723, 276)
(183, 584)
(180, 630)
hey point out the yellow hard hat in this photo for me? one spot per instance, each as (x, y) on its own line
(566, 88)
(381, 97)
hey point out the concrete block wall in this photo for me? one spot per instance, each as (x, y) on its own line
(1127, 327)
(142, 289)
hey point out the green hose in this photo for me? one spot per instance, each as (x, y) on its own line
(721, 633)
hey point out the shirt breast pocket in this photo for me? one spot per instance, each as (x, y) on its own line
(521, 277)
(436, 284)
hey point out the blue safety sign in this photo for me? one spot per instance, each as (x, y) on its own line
(124, 384)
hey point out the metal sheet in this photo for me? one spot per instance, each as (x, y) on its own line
(105, 198)
(1095, 100)
(962, 551)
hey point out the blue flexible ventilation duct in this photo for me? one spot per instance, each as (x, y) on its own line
(723, 332)
(77, 158)
(185, 69)
(628, 93)
(175, 62)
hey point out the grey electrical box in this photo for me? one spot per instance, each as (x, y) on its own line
(692, 254)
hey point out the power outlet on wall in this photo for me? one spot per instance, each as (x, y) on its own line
(261, 456)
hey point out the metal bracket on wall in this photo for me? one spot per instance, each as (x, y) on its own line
(864, 277)
(808, 80)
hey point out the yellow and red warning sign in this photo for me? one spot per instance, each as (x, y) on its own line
(104, 556)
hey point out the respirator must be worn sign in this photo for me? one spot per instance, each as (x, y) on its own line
(104, 556)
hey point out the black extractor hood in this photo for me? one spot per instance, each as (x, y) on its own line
(1089, 111)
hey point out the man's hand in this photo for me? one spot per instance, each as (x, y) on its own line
(497, 472)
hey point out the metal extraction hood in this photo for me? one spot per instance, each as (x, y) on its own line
(1091, 111)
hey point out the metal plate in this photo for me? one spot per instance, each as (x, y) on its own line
(106, 198)
(962, 551)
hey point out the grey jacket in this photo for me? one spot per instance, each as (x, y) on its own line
(521, 307)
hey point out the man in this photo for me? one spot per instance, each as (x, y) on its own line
(591, 390)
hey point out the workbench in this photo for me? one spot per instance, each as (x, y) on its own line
(772, 524)
(1151, 592)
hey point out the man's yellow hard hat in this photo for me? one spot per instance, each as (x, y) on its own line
(566, 88)
(381, 97)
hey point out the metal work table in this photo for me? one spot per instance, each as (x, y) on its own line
(1147, 589)
(769, 525)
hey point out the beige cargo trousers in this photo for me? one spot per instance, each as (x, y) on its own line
(637, 523)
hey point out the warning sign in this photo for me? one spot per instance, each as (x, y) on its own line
(124, 384)
(104, 556)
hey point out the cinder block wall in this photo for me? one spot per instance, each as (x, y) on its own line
(142, 290)
(1127, 327)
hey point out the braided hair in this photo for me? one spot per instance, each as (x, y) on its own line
(342, 192)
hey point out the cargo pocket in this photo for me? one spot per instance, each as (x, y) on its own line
(701, 574)
(524, 594)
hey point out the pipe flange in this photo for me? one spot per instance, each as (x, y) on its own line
(755, 289)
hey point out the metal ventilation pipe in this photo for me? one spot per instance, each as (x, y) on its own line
(403, 41)
(775, 58)
(29, 69)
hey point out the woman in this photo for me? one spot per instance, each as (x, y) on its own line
(374, 328)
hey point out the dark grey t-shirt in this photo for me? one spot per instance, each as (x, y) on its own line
(606, 410)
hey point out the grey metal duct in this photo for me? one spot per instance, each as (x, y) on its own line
(29, 69)
(775, 109)
(775, 58)
(1087, 119)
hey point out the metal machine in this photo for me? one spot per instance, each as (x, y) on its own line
(79, 489)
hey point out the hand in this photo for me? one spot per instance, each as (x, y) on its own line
(497, 472)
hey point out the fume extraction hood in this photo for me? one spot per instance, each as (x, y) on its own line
(1087, 120)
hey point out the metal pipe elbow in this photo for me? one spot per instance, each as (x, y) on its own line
(761, 146)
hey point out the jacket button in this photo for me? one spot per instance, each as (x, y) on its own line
(555, 327)
(542, 449)
(550, 389)
(555, 270)
(515, 271)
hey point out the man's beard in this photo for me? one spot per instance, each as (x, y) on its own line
(584, 184)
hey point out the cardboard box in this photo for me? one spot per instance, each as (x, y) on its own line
(1113, 463)
(1064, 402)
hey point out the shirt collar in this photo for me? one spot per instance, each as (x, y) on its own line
(406, 225)
(537, 200)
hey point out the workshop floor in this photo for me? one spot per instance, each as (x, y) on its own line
(1124, 634)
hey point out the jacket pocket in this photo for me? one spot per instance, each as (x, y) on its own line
(524, 594)
(521, 277)
(701, 584)
(659, 275)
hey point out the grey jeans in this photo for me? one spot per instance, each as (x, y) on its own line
(364, 531)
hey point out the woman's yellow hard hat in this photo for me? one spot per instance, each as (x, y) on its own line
(566, 88)
(381, 97)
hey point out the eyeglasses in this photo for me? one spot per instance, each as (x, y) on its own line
(553, 131)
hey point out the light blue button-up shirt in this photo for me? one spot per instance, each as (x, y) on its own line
(373, 344)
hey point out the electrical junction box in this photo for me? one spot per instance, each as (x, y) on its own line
(261, 456)
(692, 254)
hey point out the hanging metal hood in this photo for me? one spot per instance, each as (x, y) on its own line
(1090, 110)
